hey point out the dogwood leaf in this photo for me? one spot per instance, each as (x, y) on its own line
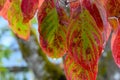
(29, 8)
(52, 32)
(95, 13)
(2, 2)
(112, 7)
(4, 7)
(74, 71)
(15, 20)
(84, 40)
(115, 46)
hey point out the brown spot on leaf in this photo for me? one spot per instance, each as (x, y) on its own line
(19, 29)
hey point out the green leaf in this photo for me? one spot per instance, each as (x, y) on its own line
(84, 40)
(15, 19)
(52, 33)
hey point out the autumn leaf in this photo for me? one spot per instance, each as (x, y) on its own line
(29, 8)
(114, 23)
(15, 20)
(40, 3)
(74, 5)
(62, 15)
(52, 32)
(115, 46)
(4, 7)
(84, 40)
(2, 2)
(94, 11)
(74, 71)
(91, 7)
(107, 28)
(112, 7)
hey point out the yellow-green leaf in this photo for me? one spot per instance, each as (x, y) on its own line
(15, 20)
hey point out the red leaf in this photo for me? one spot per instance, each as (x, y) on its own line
(4, 8)
(74, 8)
(22, 30)
(91, 7)
(75, 71)
(94, 11)
(2, 2)
(52, 29)
(115, 46)
(74, 5)
(112, 7)
(84, 40)
(40, 3)
(29, 8)
(107, 28)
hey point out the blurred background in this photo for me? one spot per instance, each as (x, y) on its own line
(24, 60)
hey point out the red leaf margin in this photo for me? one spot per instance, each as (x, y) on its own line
(115, 45)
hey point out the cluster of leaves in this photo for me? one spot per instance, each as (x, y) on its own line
(81, 35)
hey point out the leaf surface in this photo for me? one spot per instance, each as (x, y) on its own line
(114, 23)
(2, 2)
(5, 5)
(74, 4)
(94, 11)
(107, 28)
(29, 8)
(15, 20)
(112, 7)
(52, 32)
(115, 46)
(62, 15)
(91, 7)
(75, 71)
(40, 3)
(84, 40)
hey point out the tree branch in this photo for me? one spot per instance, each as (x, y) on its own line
(15, 69)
